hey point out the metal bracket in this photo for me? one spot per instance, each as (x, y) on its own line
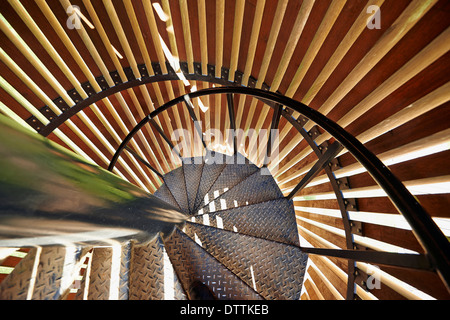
(211, 70)
(115, 77)
(129, 73)
(265, 86)
(61, 104)
(361, 279)
(238, 77)
(302, 121)
(225, 73)
(288, 111)
(198, 68)
(156, 68)
(102, 82)
(184, 67)
(143, 70)
(314, 132)
(73, 93)
(87, 86)
(251, 82)
(35, 123)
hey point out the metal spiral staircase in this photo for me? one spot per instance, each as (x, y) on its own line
(194, 180)
(241, 242)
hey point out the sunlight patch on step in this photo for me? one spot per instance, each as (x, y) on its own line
(169, 281)
(253, 278)
(115, 272)
(219, 222)
(223, 204)
(197, 240)
(212, 207)
(206, 220)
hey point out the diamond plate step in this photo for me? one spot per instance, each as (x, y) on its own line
(254, 189)
(193, 168)
(16, 285)
(109, 273)
(164, 194)
(192, 263)
(152, 276)
(276, 270)
(44, 274)
(271, 220)
(211, 171)
(174, 180)
(236, 170)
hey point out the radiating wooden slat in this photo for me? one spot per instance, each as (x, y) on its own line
(220, 17)
(27, 105)
(382, 219)
(275, 29)
(329, 19)
(430, 101)
(256, 26)
(409, 17)
(182, 85)
(344, 46)
(386, 279)
(130, 57)
(100, 63)
(203, 38)
(419, 62)
(404, 23)
(425, 186)
(437, 142)
(237, 31)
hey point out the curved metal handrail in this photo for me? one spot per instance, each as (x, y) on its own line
(434, 242)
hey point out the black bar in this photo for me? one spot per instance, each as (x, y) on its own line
(402, 260)
(190, 108)
(340, 200)
(127, 139)
(323, 161)
(230, 103)
(163, 135)
(143, 161)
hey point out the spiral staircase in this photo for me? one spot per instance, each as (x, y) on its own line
(224, 150)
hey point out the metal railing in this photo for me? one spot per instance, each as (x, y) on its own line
(430, 237)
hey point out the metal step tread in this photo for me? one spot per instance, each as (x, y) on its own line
(237, 169)
(193, 264)
(164, 194)
(214, 164)
(193, 168)
(174, 180)
(273, 269)
(152, 276)
(256, 188)
(270, 220)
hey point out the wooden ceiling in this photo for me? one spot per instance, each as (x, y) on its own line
(388, 86)
(321, 53)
